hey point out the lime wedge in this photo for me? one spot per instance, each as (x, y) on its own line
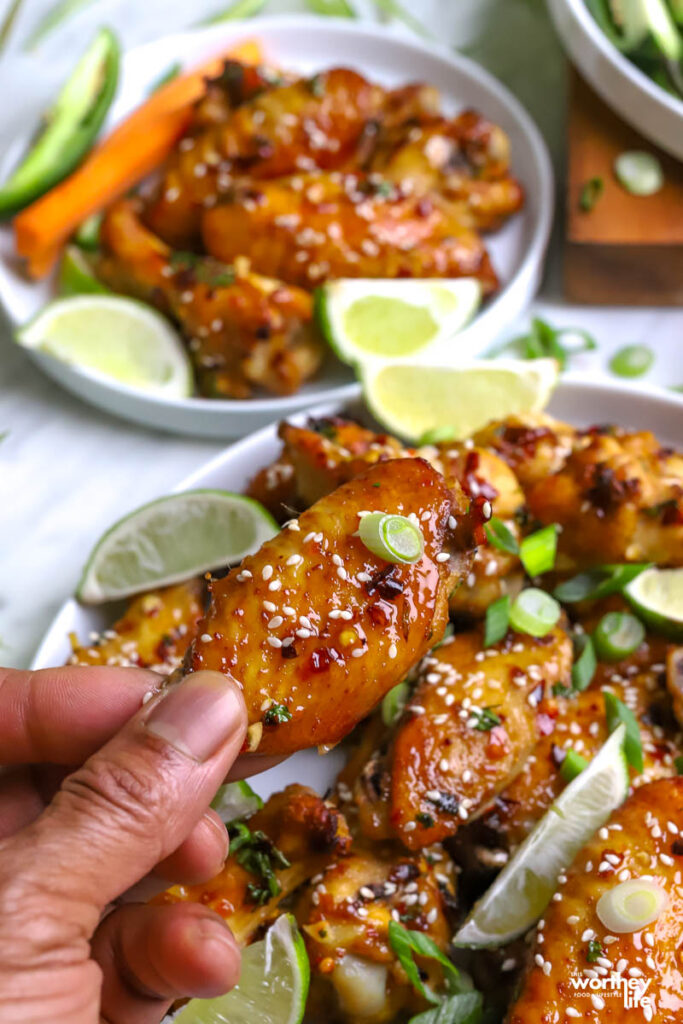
(411, 399)
(113, 337)
(236, 800)
(657, 596)
(392, 320)
(76, 275)
(272, 988)
(173, 539)
(526, 884)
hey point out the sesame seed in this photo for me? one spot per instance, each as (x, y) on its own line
(604, 962)
(294, 560)
(666, 859)
(341, 572)
(288, 610)
(275, 585)
(538, 959)
(588, 935)
(266, 572)
(366, 893)
(337, 560)
(432, 915)
(244, 575)
(293, 525)
(597, 1001)
(624, 875)
(274, 642)
(574, 919)
(443, 556)
(309, 536)
(358, 652)
(269, 606)
(444, 764)
(603, 833)
(206, 638)
(613, 859)
(452, 522)
(635, 972)
(393, 650)
(649, 938)
(547, 968)
(409, 826)
(621, 965)
(364, 577)
(303, 633)
(276, 621)
(571, 1012)
(361, 911)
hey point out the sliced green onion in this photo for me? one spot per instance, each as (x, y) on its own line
(545, 341)
(617, 713)
(239, 9)
(617, 635)
(497, 620)
(632, 361)
(394, 702)
(591, 191)
(332, 8)
(538, 550)
(639, 173)
(599, 582)
(437, 435)
(500, 536)
(534, 612)
(393, 538)
(585, 662)
(572, 765)
(631, 906)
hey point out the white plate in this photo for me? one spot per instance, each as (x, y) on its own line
(308, 44)
(622, 85)
(578, 402)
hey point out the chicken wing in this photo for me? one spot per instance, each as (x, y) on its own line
(466, 732)
(574, 950)
(312, 227)
(309, 123)
(154, 632)
(618, 498)
(316, 628)
(292, 838)
(243, 331)
(534, 445)
(345, 915)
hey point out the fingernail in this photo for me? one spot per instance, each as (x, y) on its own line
(198, 715)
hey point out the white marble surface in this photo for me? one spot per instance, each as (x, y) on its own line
(67, 471)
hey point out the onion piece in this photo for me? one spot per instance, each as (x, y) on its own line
(632, 905)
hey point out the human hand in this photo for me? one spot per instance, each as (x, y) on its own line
(72, 841)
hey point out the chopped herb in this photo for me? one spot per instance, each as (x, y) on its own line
(500, 536)
(384, 188)
(377, 484)
(585, 662)
(406, 945)
(544, 341)
(678, 764)
(616, 712)
(497, 620)
(594, 952)
(486, 719)
(256, 853)
(599, 582)
(561, 690)
(205, 270)
(461, 1008)
(632, 361)
(591, 191)
(317, 85)
(422, 818)
(538, 550)
(276, 714)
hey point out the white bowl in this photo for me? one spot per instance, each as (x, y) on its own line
(623, 86)
(308, 44)
(581, 403)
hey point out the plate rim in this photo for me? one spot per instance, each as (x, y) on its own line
(529, 268)
(570, 385)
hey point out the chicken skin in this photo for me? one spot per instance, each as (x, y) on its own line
(641, 839)
(466, 732)
(243, 331)
(619, 498)
(296, 126)
(289, 840)
(345, 914)
(316, 628)
(535, 446)
(154, 632)
(312, 227)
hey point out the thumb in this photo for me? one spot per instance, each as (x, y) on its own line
(134, 801)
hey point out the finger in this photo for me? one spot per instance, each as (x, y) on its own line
(200, 856)
(63, 715)
(20, 803)
(151, 956)
(138, 798)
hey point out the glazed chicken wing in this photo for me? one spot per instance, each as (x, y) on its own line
(154, 632)
(573, 946)
(618, 498)
(467, 730)
(243, 331)
(345, 914)
(297, 126)
(292, 838)
(316, 628)
(534, 446)
(317, 226)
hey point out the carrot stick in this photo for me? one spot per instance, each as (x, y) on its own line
(132, 151)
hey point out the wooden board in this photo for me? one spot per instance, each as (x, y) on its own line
(627, 250)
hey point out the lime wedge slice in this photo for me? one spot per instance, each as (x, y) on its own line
(115, 338)
(76, 275)
(236, 800)
(173, 539)
(388, 321)
(657, 596)
(526, 884)
(411, 399)
(272, 988)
